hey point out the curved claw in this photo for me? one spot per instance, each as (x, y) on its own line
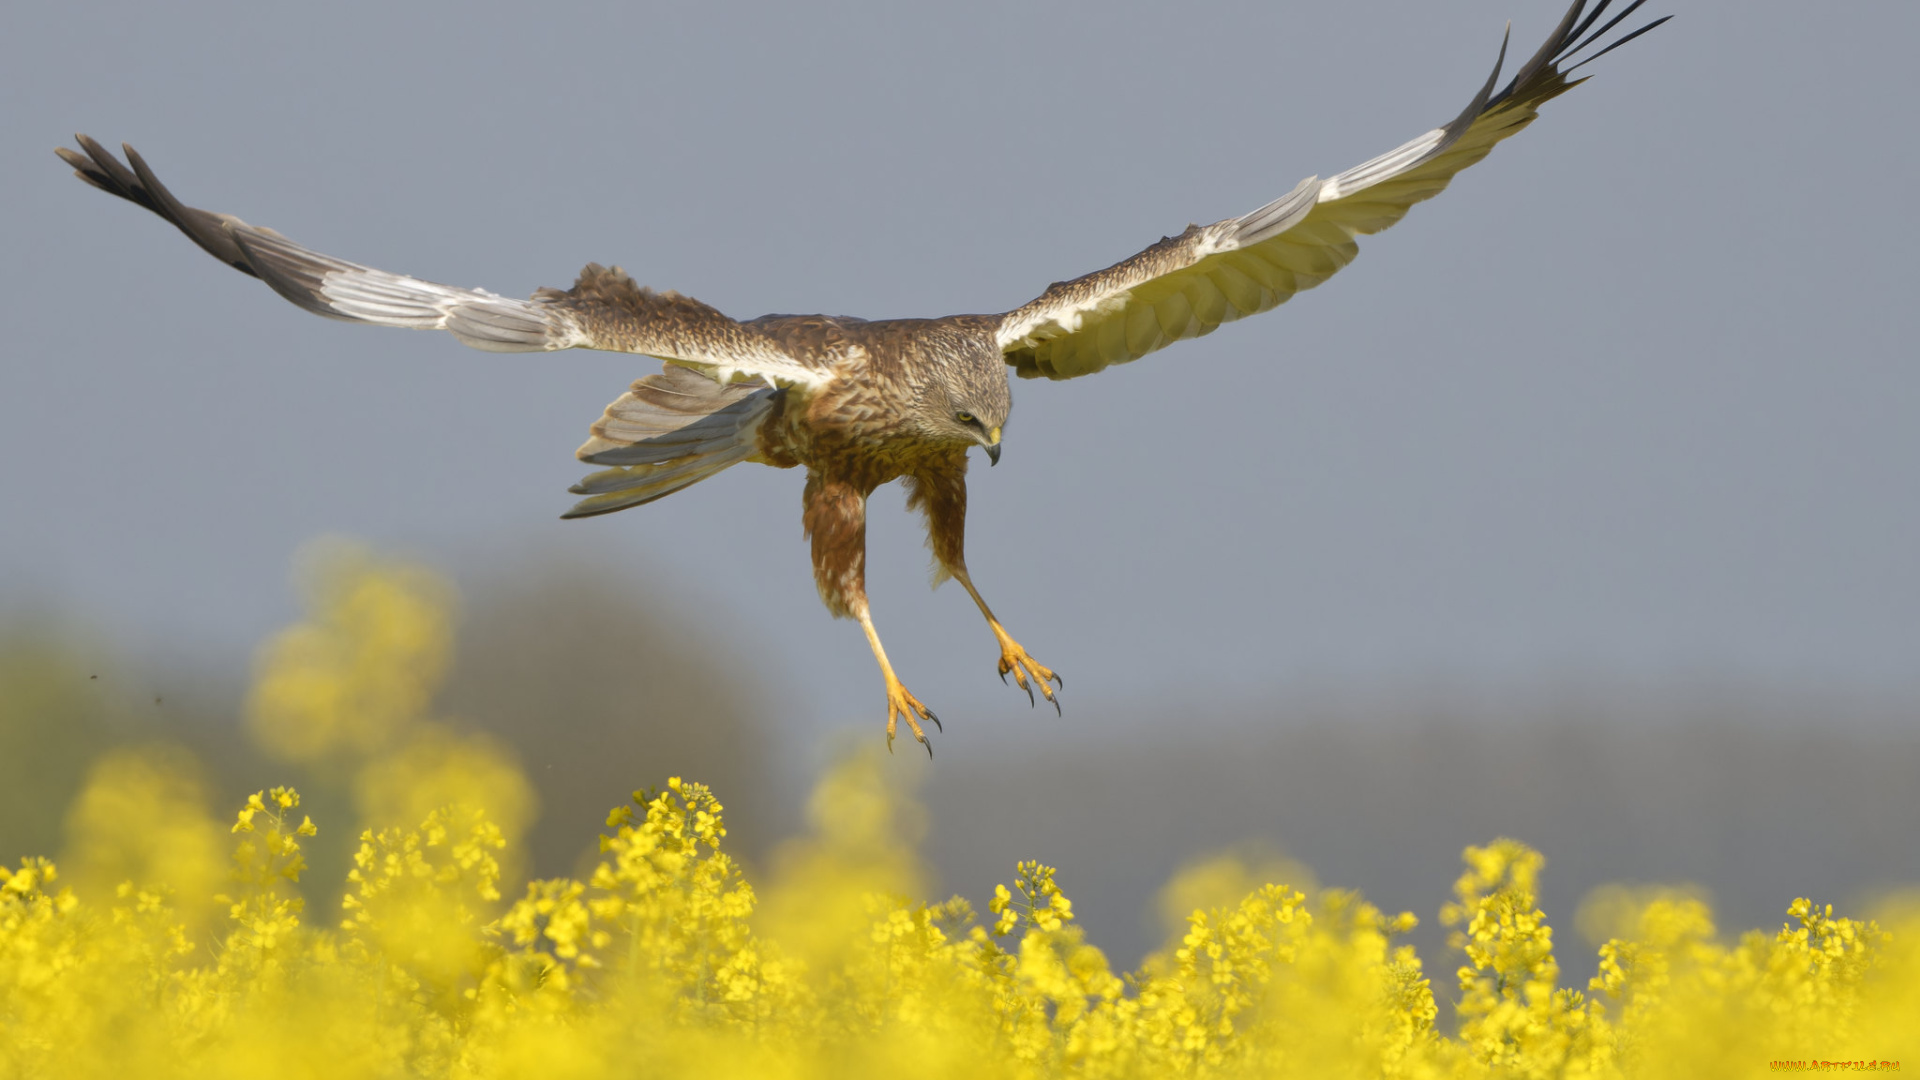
(1027, 671)
(1055, 698)
(902, 705)
(922, 740)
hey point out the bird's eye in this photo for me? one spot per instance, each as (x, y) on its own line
(965, 418)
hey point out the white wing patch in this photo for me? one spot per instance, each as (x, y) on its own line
(778, 372)
(1368, 173)
(1064, 320)
(476, 317)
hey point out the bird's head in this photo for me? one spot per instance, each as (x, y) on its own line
(968, 402)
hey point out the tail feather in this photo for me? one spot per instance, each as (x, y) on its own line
(637, 485)
(670, 431)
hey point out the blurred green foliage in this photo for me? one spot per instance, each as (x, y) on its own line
(57, 711)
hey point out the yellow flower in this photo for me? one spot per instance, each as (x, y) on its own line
(255, 804)
(658, 959)
(358, 673)
(667, 958)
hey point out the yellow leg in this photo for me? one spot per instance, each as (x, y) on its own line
(1013, 658)
(900, 703)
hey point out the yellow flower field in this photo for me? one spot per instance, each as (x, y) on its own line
(159, 961)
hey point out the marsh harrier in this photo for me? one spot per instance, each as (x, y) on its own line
(860, 403)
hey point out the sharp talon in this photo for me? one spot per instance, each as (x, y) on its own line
(1055, 698)
(929, 745)
(1003, 678)
(1026, 671)
(902, 705)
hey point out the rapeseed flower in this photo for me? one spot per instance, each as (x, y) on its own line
(658, 957)
(667, 959)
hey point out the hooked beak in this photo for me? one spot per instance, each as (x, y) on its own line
(993, 447)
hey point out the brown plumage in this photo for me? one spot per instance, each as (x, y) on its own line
(860, 404)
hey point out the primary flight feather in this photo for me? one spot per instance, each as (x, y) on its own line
(861, 403)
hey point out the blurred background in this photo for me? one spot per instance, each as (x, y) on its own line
(1580, 508)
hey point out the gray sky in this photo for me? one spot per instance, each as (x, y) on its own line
(1634, 400)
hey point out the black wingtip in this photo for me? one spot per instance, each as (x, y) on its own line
(135, 182)
(98, 167)
(1602, 32)
(1655, 23)
(1545, 75)
(1593, 17)
(84, 168)
(1548, 51)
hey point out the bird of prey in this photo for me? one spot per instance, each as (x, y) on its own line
(861, 403)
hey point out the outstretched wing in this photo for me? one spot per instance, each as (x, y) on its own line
(603, 310)
(1187, 285)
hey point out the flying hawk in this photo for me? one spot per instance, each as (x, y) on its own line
(863, 403)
